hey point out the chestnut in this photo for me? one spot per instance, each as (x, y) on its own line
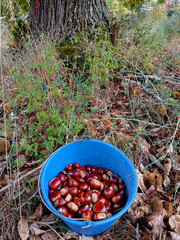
(94, 169)
(54, 195)
(76, 165)
(68, 198)
(99, 216)
(72, 207)
(62, 177)
(74, 191)
(59, 202)
(83, 186)
(85, 200)
(109, 192)
(88, 214)
(88, 168)
(65, 190)
(55, 183)
(99, 207)
(72, 182)
(69, 168)
(117, 198)
(94, 183)
(82, 209)
(63, 210)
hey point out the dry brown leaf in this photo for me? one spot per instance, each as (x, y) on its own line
(175, 236)
(141, 181)
(37, 214)
(8, 108)
(177, 94)
(139, 208)
(23, 228)
(107, 121)
(33, 119)
(31, 237)
(156, 222)
(49, 235)
(174, 222)
(144, 145)
(49, 218)
(91, 129)
(86, 238)
(3, 145)
(115, 112)
(35, 230)
(15, 89)
(3, 182)
(167, 166)
(137, 91)
(126, 136)
(167, 181)
(70, 235)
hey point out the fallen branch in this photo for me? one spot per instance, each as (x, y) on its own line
(21, 178)
(154, 160)
(153, 77)
(145, 89)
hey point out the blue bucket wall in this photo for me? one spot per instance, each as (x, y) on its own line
(99, 154)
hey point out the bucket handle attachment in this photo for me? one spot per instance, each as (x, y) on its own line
(86, 138)
(57, 214)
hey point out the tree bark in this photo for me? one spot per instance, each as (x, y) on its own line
(60, 18)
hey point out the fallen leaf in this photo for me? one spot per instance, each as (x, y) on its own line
(141, 181)
(49, 235)
(52, 217)
(23, 228)
(4, 144)
(137, 91)
(70, 235)
(3, 182)
(107, 121)
(33, 119)
(37, 214)
(15, 89)
(177, 94)
(31, 237)
(175, 236)
(144, 145)
(170, 149)
(167, 166)
(35, 230)
(86, 238)
(166, 181)
(139, 208)
(156, 222)
(174, 222)
(8, 108)
(115, 112)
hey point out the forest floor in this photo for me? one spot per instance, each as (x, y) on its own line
(136, 111)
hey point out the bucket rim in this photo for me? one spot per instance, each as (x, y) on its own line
(81, 221)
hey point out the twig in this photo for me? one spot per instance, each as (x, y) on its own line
(137, 231)
(161, 79)
(145, 89)
(156, 78)
(19, 179)
(153, 159)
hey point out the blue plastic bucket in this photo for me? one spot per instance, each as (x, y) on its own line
(95, 153)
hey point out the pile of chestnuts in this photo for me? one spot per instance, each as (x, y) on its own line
(87, 192)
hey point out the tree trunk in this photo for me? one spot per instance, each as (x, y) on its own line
(60, 18)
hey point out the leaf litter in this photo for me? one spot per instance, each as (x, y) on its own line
(130, 120)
